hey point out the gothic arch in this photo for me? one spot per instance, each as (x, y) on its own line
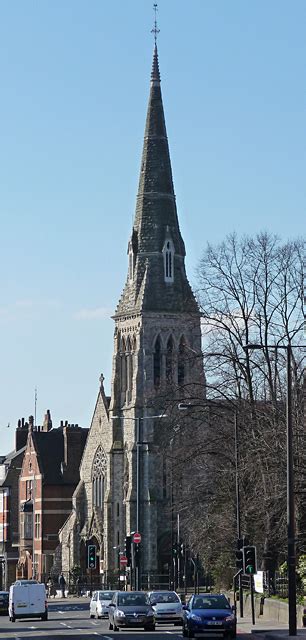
(98, 473)
(157, 355)
(181, 361)
(170, 360)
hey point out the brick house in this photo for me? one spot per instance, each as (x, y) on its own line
(10, 467)
(49, 475)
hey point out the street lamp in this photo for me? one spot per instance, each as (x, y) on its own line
(138, 489)
(291, 550)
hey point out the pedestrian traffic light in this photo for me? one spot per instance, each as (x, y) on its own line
(174, 549)
(182, 549)
(128, 549)
(91, 556)
(239, 559)
(249, 560)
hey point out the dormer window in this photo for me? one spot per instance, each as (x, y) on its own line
(168, 252)
(131, 261)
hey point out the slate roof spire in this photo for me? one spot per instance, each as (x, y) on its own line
(156, 220)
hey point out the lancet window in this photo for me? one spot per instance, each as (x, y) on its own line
(98, 477)
(168, 252)
(181, 365)
(169, 361)
(157, 363)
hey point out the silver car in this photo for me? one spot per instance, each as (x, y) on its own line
(167, 607)
(99, 604)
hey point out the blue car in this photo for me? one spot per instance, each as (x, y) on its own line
(209, 614)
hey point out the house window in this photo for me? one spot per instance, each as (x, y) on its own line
(37, 525)
(157, 363)
(98, 477)
(28, 526)
(168, 252)
(29, 489)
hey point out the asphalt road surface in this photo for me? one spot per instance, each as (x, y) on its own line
(70, 619)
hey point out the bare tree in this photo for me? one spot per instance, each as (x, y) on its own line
(250, 291)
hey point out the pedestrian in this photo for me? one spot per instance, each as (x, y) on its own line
(62, 584)
(78, 586)
(49, 587)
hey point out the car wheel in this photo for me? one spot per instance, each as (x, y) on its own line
(115, 627)
(189, 633)
(44, 617)
(110, 626)
(150, 627)
(92, 615)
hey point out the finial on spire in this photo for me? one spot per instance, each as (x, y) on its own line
(155, 29)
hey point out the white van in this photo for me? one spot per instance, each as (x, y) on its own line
(27, 599)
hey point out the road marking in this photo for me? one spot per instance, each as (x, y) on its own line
(63, 624)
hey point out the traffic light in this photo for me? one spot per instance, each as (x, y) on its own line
(128, 549)
(91, 556)
(239, 558)
(249, 560)
(136, 554)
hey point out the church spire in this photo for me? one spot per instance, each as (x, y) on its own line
(156, 274)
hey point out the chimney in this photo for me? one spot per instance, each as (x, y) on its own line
(21, 435)
(47, 423)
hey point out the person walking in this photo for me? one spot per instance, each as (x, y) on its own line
(62, 584)
(78, 583)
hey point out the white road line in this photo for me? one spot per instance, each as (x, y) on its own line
(63, 624)
(107, 638)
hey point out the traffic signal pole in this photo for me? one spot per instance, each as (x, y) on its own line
(236, 440)
(290, 506)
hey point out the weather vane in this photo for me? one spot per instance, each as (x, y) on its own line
(155, 29)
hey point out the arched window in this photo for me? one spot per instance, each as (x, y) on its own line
(157, 363)
(98, 477)
(169, 361)
(181, 363)
(168, 252)
(129, 365)
(123, 374)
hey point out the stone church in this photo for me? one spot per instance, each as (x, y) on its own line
(124, 485)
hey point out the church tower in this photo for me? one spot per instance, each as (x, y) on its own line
(157, 328)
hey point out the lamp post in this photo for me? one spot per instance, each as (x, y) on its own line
(291, 550)
(139, 443)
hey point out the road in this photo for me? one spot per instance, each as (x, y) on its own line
(70, 619)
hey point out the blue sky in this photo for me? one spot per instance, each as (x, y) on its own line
(74, 84)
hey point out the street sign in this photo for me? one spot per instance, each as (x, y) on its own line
(123, 561)
(137, 537)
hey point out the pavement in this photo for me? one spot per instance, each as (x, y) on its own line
(266, 629)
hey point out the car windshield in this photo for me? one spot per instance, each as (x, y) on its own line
(105, 595)
(210, 602)
(164, 597)
(132, 599)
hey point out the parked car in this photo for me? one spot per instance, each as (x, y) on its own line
(167, 607)
(131, 609)
(4, 602)
(210, 614)
(28, 599)
(99, 604)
